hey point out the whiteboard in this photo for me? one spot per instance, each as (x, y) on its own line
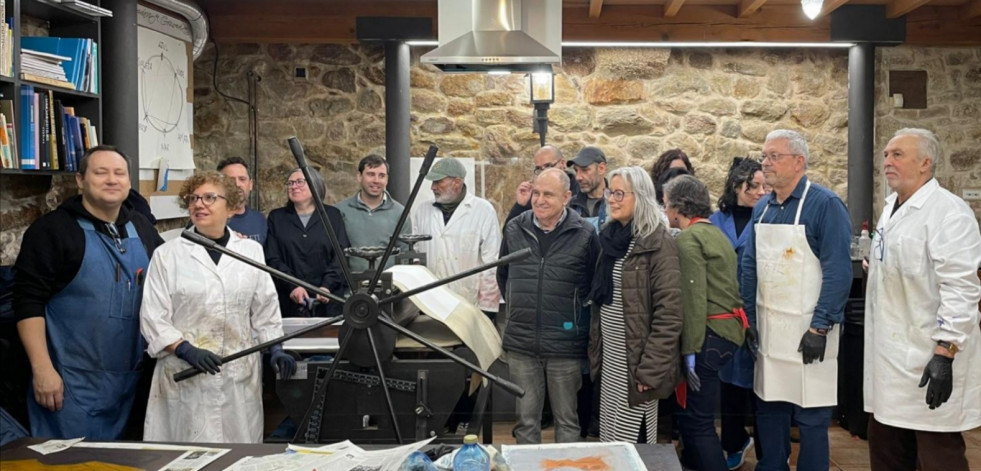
(425, 195)
(165, 108)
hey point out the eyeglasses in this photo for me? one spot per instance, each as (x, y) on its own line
(299, 183)
(750, 186)
(208, 198)
(114, 232)
(617, 195)
(773, 157)
(879, 249)
(545, 167)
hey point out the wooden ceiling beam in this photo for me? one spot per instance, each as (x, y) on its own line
(897, 8)
(595, 8)
(671, 8)
(830, 6)
(971, 10)
(748, 7)
(307, 22)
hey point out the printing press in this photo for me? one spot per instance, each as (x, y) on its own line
(424, 386)
(395, 369)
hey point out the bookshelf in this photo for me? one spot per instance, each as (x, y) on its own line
(62, 22)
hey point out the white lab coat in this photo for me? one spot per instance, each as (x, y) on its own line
(923, 287)
(221, 308)
(471, 238)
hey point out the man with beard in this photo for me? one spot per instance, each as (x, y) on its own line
(466, 234)
(590, 167)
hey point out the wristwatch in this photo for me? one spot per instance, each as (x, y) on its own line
(949, 346)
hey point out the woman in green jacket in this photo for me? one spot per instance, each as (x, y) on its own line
(714, 322)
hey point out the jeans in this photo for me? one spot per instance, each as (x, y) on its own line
(773, 422)
(703, 451)
(564, 378)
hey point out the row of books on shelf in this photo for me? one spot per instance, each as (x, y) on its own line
(50, 135)
(64, 62)
(6, 47)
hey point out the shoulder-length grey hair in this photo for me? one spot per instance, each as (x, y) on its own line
(316, 182)
(647, 214)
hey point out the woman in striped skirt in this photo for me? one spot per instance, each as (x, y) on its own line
(636, 323)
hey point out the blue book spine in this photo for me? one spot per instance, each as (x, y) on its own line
(28, 160)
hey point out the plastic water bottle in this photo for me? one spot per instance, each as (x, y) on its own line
(417, 461)
(864, 241)
(471, 457)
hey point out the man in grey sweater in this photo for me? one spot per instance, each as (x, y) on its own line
(370, 215)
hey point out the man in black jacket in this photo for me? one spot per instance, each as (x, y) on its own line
(547, 328)
(77, 296)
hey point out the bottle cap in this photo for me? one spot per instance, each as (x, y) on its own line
(470, 440)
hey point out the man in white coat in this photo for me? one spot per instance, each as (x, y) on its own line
(466, 234)
(921, 316)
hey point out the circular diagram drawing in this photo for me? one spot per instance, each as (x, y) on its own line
(162, 93)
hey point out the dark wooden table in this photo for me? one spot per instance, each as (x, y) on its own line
(659, 457)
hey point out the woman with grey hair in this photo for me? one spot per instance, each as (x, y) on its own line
(714, 321)
(636, 320)
(298, 245)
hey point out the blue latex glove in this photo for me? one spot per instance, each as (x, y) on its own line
(694, 382)
(204, 360)
(282, 362)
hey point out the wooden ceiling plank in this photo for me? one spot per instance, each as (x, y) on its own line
(672, 7)
(748, 7)
(595, 8)
(971, 10)
(897, 8)
(830, 6)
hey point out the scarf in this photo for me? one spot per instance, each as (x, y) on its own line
(449, 208)
(614, 240)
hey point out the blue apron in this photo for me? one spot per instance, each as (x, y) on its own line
(738, 371)
(93, 333)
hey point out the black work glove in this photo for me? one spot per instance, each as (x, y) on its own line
(753, 341)
(282, 362)
(940, 374)
(203, 360)
(812, 346)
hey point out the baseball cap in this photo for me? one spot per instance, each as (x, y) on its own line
(586, 156)
(447, 167)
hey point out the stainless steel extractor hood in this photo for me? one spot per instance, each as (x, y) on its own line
(497, 35)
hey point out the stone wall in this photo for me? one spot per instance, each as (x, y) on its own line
(633, 103)
(953, 112)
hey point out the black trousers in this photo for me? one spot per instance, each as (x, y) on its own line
(898, 449)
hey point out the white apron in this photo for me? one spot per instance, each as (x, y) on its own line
(788, 287)
(904, 303)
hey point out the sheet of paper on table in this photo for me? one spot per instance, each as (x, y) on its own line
(194, 460)
(54, 446)
(618, 456)
(342, 457)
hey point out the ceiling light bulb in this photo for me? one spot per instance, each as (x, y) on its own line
(812, 8)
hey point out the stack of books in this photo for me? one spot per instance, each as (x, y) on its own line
(82, 7)
(43, 67)
(79, 66)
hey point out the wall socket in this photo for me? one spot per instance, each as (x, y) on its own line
(972, 194)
